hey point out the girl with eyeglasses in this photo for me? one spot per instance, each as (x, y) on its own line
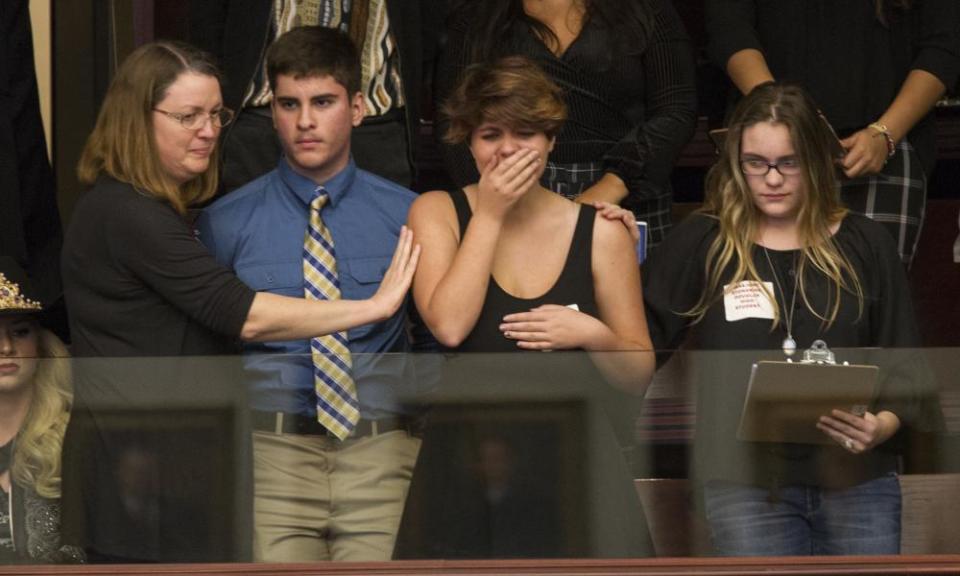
(772, 262)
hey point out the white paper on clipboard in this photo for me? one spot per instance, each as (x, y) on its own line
(786, 399)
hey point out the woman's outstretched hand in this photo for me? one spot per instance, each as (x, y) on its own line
(398, 277)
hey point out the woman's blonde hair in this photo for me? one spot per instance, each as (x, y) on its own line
(511, 90)
(122, 142)
(730, 200)
(36, 460)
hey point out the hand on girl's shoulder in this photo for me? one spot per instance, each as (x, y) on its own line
(611, 234)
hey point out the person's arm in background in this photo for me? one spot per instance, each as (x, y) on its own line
(936, 66)
(733, 43)
(867, 149)
(642, 161)
(748, 69)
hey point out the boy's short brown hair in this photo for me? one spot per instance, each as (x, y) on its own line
(315, 51)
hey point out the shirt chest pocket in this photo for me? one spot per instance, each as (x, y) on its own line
(283, 278)
(360, 277)
(359, 280)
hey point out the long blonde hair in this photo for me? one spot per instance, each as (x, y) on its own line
(36, 460)
(122, 143)
(730, 201)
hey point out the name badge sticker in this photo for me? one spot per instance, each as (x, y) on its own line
(748, 300)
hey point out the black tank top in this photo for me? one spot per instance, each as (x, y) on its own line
(573, 286)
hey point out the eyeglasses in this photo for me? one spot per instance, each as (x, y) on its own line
(197, 120)
(757, 167)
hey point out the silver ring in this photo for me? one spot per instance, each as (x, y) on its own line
(848, 444)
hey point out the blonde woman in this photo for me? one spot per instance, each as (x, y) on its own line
(35, 399)
(771, 263)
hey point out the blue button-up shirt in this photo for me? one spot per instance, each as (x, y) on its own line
(258, 231)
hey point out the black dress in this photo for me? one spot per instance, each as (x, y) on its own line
(520, 457)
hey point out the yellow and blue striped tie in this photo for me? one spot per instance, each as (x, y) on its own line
(337, 406)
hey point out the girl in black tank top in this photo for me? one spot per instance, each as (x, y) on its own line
(519, 457)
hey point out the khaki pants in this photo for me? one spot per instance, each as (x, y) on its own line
(317, 499)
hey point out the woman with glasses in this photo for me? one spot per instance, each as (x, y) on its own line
(138, 283)
(772, 262)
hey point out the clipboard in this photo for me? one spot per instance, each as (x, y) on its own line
(786, 399)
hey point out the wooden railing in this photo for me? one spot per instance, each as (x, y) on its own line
(850, 565)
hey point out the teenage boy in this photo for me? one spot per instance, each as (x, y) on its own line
(334, 448)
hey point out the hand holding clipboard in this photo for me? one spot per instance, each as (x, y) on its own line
(786, 401)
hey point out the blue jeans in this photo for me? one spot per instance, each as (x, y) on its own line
(804, 520)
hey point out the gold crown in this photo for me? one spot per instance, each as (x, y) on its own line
(12, 299)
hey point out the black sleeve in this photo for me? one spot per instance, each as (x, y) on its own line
(907, 386)
(731, 27)
(452, 61)
(673, 278)
(644, 157)
(161, 250)
(937, 46)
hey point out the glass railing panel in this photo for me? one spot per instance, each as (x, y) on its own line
(484, 456)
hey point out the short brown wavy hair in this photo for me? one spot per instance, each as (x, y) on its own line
(511, 90)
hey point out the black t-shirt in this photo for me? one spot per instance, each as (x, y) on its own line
(143, 293)
(139, 283)
(674, 277)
